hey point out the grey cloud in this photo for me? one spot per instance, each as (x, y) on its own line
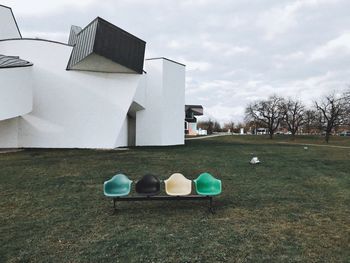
(236, 51)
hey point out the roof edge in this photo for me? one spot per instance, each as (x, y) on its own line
(14, 18)
(194, 106)
(124, 31)
(164, 58)
(37, 39)
(112, 25)
(6, 6)
(28, 65)
(13, 62)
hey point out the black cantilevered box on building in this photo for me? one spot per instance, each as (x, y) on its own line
(102, 46)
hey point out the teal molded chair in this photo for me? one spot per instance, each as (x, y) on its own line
(119, 185)
(206, 184)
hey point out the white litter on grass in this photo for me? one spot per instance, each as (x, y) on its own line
(305, 148)
(254, 160)
(116, 149)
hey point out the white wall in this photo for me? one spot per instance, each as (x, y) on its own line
(71, 109)
(173, 103)
(79, 109)
(140, 95)
(149, 121)
(8, 28)
(9, 133)
(162, 123)
(16, 97)
(122, 139)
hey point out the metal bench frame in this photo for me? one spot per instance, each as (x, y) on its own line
(164, 197)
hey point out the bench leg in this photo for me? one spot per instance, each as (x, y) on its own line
(114, 200)
(211, 209)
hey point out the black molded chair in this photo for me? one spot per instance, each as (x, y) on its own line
(148, 185)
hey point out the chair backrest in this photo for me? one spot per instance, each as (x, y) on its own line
(207, 184)
(148, 185)
(204, 179)
(120, 180)
(178, 184)
(118, 185)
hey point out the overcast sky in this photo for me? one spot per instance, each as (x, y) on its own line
(236, 51)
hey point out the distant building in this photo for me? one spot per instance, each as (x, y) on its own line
(190, 120)
(96, 91)
(262, 131)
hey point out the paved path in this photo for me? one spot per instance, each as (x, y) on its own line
(289, 143)
(317, 145)
(10, 150)
(205, 137)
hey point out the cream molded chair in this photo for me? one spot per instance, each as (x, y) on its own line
(177, 184)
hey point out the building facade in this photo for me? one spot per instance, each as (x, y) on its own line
(191, 111)
(96, 91)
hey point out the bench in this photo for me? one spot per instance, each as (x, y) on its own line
(177, 187)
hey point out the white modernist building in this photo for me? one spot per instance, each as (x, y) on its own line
(191, 111)
(96, 91)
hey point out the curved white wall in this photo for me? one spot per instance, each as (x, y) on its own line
(71, 109)
(15, 92)
(8, 27)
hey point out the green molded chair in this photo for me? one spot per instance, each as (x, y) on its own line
(206, 184)
(119, 185)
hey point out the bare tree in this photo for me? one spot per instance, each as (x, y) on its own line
(216, 126)
(230, 126)
(293, 115)
(332, 113)
(267, 112)
(346, 97)
(207, 125)
(310, 121)
(250, 126)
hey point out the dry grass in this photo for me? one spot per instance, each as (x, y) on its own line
(294, 207)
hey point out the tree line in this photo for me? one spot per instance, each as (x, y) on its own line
(326, 115)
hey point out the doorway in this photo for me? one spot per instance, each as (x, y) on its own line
(131, 130)
(132, 112)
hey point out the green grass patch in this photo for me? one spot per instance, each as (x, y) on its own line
(293, 207)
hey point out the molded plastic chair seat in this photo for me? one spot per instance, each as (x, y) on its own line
(177, 184)
(119, 185)
(148, 185)
(206, 184)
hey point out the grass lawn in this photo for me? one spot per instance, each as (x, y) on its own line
(293, 207)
